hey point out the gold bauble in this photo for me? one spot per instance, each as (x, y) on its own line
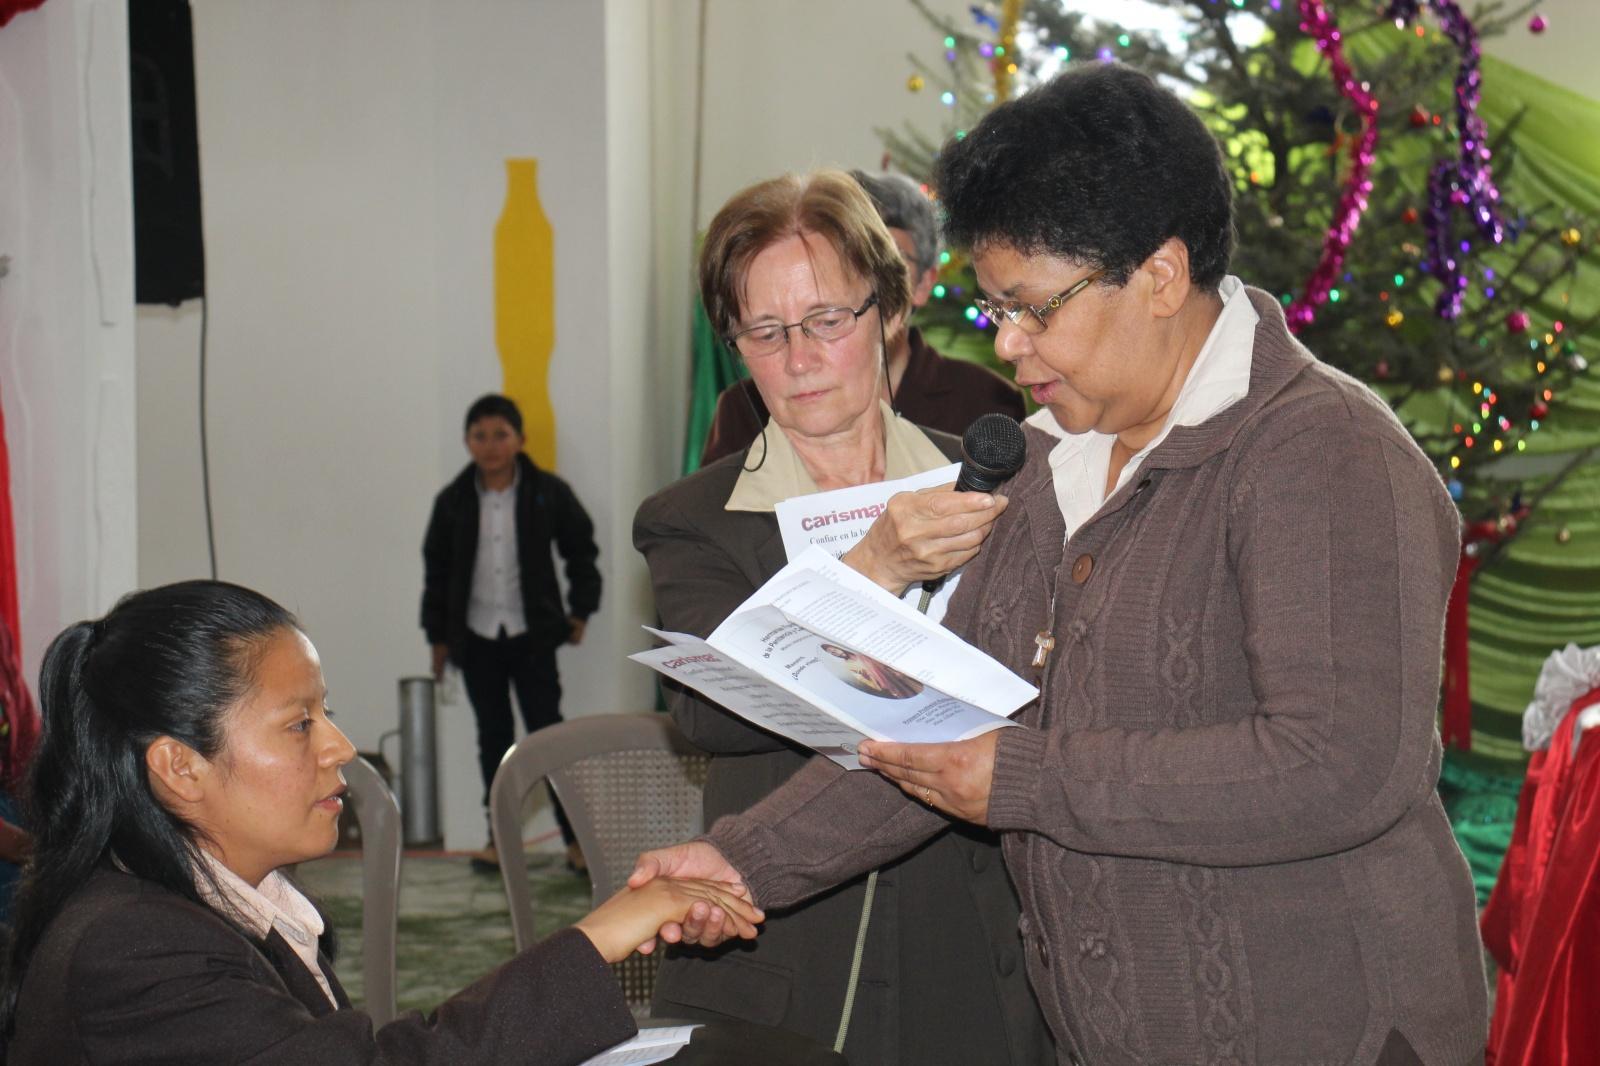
(1394, 318)
(915, 83)
(1571, 237)
(1563, 535)
(1446, 375)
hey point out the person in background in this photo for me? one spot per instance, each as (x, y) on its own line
(1226, 567)
(491, 603)
(802, 277)
(927, 388)
(188, 755)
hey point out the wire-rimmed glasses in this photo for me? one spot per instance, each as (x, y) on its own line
(827, 324)
(1028, 318)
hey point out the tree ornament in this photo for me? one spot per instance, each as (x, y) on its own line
(915, 83)
(1394, 318)
(1381, 371)
(1577, 362)
(1538, 24)
(1571, 237)
(1538, 409)
(1517, 321)
(1409, 216)
(1419, 117)
(1563, 535)
(1446, 375)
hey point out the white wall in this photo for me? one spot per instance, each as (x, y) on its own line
(66, 311)
(352, 161)
(1563, 53)
(797, 84)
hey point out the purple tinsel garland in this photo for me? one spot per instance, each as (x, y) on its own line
(1467, 181)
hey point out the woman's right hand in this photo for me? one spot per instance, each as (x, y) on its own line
(631, 919)
(441, 656)
(924, 535)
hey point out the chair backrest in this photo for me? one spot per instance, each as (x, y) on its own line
(628, 782)
(379, 817)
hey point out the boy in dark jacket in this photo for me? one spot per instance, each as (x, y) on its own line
(490, 600)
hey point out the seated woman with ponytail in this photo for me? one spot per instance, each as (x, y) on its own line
(187, 754)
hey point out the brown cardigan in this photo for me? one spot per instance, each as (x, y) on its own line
(1221, 814)
(942, 981)
(129, 972)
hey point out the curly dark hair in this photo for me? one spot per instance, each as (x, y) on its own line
(1100, 165)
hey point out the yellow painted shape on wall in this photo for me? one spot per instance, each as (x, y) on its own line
(525, 306)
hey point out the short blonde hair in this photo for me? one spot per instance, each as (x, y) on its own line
(826, 203)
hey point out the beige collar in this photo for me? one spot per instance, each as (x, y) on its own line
(906, 451)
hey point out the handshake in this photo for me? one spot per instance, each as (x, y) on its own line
(687, 893)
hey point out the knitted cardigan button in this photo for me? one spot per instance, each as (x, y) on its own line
(1082, 567)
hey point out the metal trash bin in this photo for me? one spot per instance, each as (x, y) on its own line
(419, 763)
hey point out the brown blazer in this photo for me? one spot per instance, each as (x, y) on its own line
(131, 973)
(935, 392)
(942, 975)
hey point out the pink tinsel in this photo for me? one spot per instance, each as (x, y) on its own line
(1316, 21)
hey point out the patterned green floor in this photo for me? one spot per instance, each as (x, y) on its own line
(453, 925)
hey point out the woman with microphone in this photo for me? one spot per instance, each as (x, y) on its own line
(801, 277)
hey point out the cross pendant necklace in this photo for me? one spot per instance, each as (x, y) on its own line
(1044, 641)
(1043, 644)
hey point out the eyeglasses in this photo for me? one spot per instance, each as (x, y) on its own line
(828, 324)
(1031, 319)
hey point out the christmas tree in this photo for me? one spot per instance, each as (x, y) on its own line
(1439, 246)
(1469, 330)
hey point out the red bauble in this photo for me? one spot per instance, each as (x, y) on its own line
(1419, 117)
(1538, 409)
(1517, 321)
(1409, 216)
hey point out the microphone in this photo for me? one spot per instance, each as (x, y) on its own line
(992, 451)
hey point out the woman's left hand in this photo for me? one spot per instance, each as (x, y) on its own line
(952, 778)
(924, 535)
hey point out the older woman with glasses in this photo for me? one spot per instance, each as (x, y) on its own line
(921, 962)
(1226, 566)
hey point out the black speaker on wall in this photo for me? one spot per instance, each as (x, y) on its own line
(168, 247)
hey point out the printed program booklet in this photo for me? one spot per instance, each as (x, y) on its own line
(823, 656)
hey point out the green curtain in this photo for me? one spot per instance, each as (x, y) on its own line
(713, 368)
(1545, 591)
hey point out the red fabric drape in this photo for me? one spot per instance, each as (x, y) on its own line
(19, 721)
(1542, 922)
(9, 9)
(1455, 726)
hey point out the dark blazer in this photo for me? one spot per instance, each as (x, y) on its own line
(942, 978)
(935, 392)
(131, 973)
(547, 513)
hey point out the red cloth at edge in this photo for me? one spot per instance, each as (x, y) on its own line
(1542, 922)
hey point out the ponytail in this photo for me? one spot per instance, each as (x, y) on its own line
(170, 662)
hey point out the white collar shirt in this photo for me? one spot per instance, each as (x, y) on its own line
(495, 602)
(275, 904)
(1219, 378)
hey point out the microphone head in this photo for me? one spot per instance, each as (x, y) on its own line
(992, 450)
